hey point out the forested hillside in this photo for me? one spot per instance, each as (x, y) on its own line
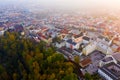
(24, 59)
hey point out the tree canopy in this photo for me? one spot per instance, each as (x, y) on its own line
(24, 59)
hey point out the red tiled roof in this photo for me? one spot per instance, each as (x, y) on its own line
(85, 62)
(42, 36)
(118, 49)
(64, 31)
(116, 39)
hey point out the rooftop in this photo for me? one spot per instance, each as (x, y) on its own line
(107, 59)
(113, 70)
(86, 38)
(79, 35)
(117, 56)
(71, 42)
(77, 50)
(85, 62)
(102, 37)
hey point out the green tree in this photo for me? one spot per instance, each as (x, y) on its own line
(77, 59)
(88, 76)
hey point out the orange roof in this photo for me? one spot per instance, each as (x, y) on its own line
(118, 49)
(64, 31)
(116, 39)
(85, 62)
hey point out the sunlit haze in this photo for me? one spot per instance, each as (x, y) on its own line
(59, 39)
(111, 4)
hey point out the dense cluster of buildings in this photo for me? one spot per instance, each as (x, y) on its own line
(90, 38)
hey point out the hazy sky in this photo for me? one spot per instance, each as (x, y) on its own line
(68, 3)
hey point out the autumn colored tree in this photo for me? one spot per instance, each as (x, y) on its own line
(24, 59)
